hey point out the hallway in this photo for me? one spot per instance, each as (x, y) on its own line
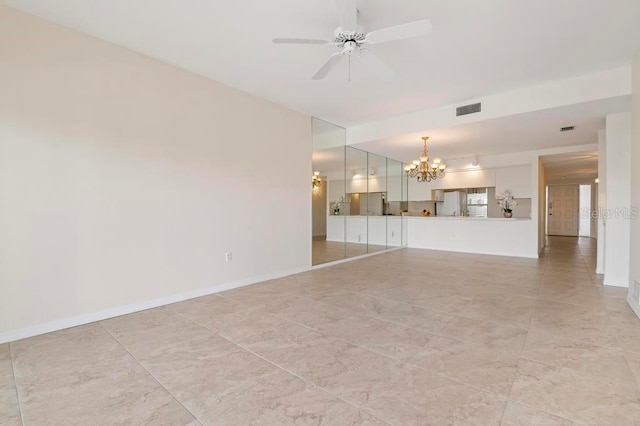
(405, 337)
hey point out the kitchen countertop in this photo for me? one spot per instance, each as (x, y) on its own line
(467, 218)
(419, 216)
(362, 215)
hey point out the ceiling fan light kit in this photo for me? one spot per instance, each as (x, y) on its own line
(350, 40)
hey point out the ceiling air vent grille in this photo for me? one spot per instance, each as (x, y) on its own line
(567, 129)
(468, 109)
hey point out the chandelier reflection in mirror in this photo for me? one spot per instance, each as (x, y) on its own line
(316, 181)
(422, 170)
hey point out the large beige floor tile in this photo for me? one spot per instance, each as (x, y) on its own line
(262, 332)
(633, 359)
(418, 397)
(127, 397)
(288, 401)
(241, 388)
(470, 363)
(308, 312)
(340, 368)
(80, 350)
(520, 415)
(509, 309)
(359, 303)
(629, 337)
(257, 298)
(519, 286)
(576, 396)
(574, 322)
(209, 311)
(571, 293)
(380, 336)
(82, 376)
(414, 316)
(155, 332)
(9, 408)
(6, 369)
(593, 333)
(495, 335)
(602, 361)
(447, 302)
(612, 292)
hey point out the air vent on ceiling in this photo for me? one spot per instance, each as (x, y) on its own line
(468, 109)
(567, 129)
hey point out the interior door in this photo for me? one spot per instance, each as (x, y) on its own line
(563, 208)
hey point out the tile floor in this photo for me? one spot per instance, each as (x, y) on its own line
(409, 337)
(329, 251)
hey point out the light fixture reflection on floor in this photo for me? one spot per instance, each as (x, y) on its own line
(422, 170)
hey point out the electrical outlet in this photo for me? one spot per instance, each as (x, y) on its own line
(393, 233)
(228, 256)
(359, 238)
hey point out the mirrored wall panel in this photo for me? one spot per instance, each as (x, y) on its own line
(328, 192)
(377, 203)
(396, 203)
(356, 201)
(358, 198)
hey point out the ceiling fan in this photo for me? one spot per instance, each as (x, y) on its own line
(350, 39)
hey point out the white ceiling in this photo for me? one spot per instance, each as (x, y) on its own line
(476, 48)
(515, 133)
(579, 165)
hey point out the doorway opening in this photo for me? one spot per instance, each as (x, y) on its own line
(584, 226)
(569, 210)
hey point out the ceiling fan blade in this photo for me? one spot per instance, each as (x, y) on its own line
(299, 41)
(375, 65)
(400, 32)
(327, 66)
(347, 15)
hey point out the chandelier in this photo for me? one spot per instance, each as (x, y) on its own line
(422, 170)
(316, 181)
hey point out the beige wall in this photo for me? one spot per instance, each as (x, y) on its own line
(124, 180)
(634, 291)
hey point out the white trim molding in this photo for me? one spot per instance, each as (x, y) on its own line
(75, 321)
(634, 305)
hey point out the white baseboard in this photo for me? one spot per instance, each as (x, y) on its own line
(75, 321)
(634, 305)
(490, 253)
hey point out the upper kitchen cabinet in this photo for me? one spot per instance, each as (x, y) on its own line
(467, 179)
(421, 191)
(517, 179)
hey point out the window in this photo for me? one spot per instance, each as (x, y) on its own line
(477, 202)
